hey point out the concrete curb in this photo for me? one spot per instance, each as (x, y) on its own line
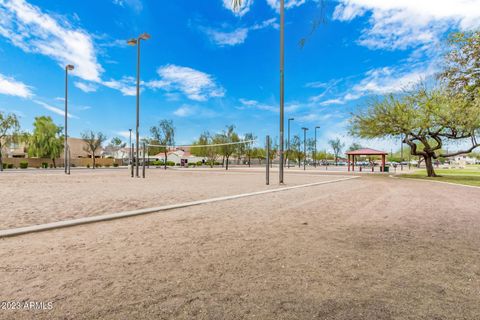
(442, 182)
(119, 215)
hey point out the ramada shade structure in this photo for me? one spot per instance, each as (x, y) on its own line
(365, 152)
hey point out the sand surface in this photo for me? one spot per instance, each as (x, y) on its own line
(36, 197)
(397, 249)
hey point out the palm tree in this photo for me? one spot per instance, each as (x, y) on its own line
(237, 5)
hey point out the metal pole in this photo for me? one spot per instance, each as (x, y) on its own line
(288, 143)
(143, 168)
(131, 156)
(315, 149)
(137, 142)
(130, 145)
(267, 168)
(69, 159)
(401, 152)
(282, 84)
(304, 147)
(66, 122)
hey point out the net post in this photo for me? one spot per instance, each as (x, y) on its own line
(133, 160)
(143, 168)
(267, 167)
(69, 160)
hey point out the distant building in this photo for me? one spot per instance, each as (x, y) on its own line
(464, 159)
(77, 150)
(176, 156)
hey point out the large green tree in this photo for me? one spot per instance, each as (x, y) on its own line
(426, 119)
(228, 138)
(248, 146)
(9, 127)
(93, 141)
(337, 147)
(461, 73)
(164, 133)
(47, 139)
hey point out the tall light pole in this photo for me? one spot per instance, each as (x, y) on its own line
(304, 146)
(288, 142)
(65, 145)
(282, 84)
(133, 42)
(315, 148)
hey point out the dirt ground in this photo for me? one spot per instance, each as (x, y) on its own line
(36, 197)
(368, 248)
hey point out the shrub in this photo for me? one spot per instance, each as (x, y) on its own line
(51, 166)
(107, 166)
(97, 165)
(10, 166)
(115, 165)
(23, 165)
(199, 163)
(217, 163)
(170, 163)
(88, 165)
(44, 165)
(4, 165)
(72, 165)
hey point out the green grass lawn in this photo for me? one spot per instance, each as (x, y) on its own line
(470, 175)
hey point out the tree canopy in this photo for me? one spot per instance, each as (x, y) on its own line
(9, 126)
(47, 139)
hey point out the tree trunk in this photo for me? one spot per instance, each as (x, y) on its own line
(429, 166)
(54, 164)
(226, 167)
(248, 161)
(165, 162)
(93, 160)
(223, 161)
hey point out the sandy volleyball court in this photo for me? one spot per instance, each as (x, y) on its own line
(37, 197)
(368, 248)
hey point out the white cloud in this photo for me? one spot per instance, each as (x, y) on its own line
(242, 11)
(246, 102)
(32, 30)
(188, 110)
(332, 101)
(12, 87)
(222, 39)
(136, 5)
(194, 84)
(86, 87)
(127, 85)
(125, 134)
(390, 80)
(275, 4)
(56, 110)
(409, 23)
(237, 36)
(184, 111)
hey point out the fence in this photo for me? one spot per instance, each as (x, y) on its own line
(78, 162)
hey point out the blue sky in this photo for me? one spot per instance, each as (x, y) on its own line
(206, 66)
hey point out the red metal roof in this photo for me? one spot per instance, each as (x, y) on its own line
(367, 152)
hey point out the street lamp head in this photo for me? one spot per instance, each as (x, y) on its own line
(303, 128)
(132, 42)
(144, 36)
(291, 119)
(317, 127)
(70, 67)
